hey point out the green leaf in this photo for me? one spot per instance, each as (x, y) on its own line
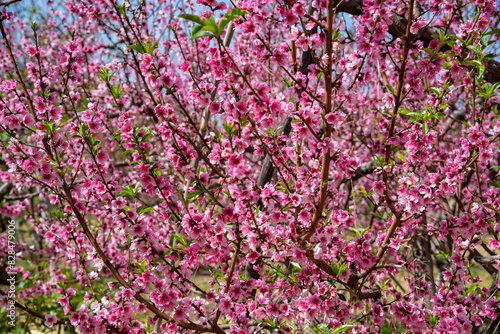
(192, 17)
(489, 206)
(104, 74)
(203, 27)
(202, 34)
(143, 265)
(137, 48)
(494, 183)
(144, 209)
(336, 34)
(489, 56)
(481, 71)
(342, 269)
(491, 32)
(210, 23)
(152, 47)
(429, 51)
(229, 16)
(143, 47)
(194, 195)
(180, 238)
(320, 73)
(125, 192)
(473, 48)
(359, 190)
(494, 87)
(335, 268)
(342, 328)
(446, 55)
(229, 129)
(471, 288)
(136, 188)
(270, 131)
(49, 126)
(116, 91)
(244, 122)
(433, 318)
(214, 186)
(436, 90)
(208, 27)
(117, 134)
(196, 30)
(121, 9)
(128, 152)
(425, 127)
(296, 266)
(286, 82)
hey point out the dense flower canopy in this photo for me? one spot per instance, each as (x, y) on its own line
(250, 166)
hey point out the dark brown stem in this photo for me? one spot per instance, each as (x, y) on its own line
(325, 167)
(397, 214)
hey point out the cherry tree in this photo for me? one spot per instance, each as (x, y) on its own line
(283, 166)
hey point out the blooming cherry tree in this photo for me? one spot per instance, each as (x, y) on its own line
(279, 166)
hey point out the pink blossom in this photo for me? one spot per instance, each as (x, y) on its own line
(50, 320)
(252, 256)
(493, 243)
(137, 230)
(184, 66)
(31, 50)
(102, 157)
(418, 24)
(8, 85)
(225, 305)
(214, 107)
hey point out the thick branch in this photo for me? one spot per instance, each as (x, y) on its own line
(487, 259)
(397, 214)
(8, 2)
(325, 165)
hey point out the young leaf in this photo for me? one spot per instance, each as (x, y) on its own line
(229, 16)
(143, 209)
(342, 328)
(286, 82)
(196, 30)
(210, 23)
(492, 32)
(214, 186)
(137, 47)
(194, 195)
(202, 33)
(192, 18)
